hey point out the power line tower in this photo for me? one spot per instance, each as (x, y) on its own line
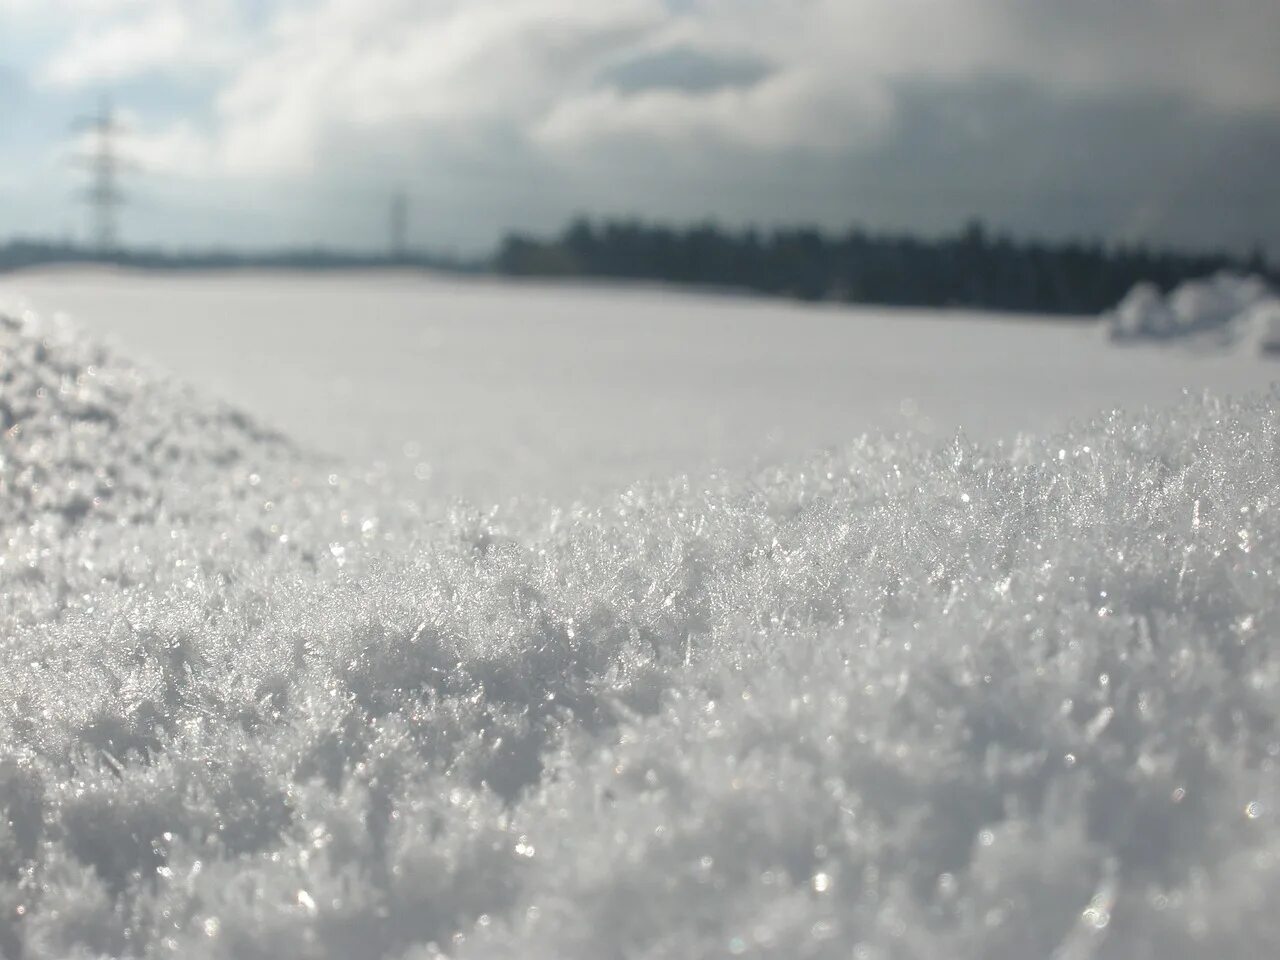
(103, 195)
(398, 225)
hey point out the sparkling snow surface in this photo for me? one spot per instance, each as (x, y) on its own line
(912, 698)
(490, 390)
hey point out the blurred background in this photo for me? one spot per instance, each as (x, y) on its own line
(1009, 158)
(260, 123)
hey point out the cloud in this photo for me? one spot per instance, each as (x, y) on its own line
(352, 68)
(180, 146)
(575, 101)
(790, 108)
(766, 74)
(157, 40)
(687, 69)
(117, 40)
(1222, 54)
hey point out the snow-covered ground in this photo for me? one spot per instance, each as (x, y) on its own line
(908, 698)
(1225, 310)
(494, 389)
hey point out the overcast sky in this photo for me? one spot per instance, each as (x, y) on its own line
(264, 122)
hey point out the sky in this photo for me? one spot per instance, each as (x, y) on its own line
(280, 122)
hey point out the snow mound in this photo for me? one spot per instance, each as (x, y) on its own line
(1264, 322)
(897, 700)
(99, 455)
(1226, 306)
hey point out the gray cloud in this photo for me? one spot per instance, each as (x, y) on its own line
(1130, 166)
(686, 69)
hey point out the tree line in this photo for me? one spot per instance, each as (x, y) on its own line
(971, 268)
(20, 254)
(974, 267)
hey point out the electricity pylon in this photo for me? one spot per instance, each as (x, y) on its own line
(103, 195)
(398, 223)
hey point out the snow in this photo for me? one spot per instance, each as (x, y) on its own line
(1225, 307)
(490, 390)
(908, 697)
(1264, 320)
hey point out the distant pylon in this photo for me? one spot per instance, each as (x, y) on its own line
(103, 195)
(399, 225)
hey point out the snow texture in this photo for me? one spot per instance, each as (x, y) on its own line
(1226, 307)
(899, 700)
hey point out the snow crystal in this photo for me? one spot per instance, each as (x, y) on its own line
(1226, 307)
(895, 700)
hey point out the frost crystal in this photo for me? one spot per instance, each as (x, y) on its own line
(899, 700)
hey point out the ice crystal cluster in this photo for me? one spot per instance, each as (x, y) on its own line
(1226, 307)
(900, 700)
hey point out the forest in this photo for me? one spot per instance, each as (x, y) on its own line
(971, 268)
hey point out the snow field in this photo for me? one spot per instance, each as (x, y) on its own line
(491, 390)
(903, 699)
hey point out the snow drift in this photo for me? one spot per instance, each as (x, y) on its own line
(1227, 307)
(897, 700)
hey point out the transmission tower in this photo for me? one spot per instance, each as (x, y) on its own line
(398, 224)
(103, 195)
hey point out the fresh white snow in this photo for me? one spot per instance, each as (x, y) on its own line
(489, 390)
(911, 697)
(1224, 309)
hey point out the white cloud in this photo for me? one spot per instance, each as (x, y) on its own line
(113, 40)
(795, 106)
(157, 40)
(180, 146)
(377, 63)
